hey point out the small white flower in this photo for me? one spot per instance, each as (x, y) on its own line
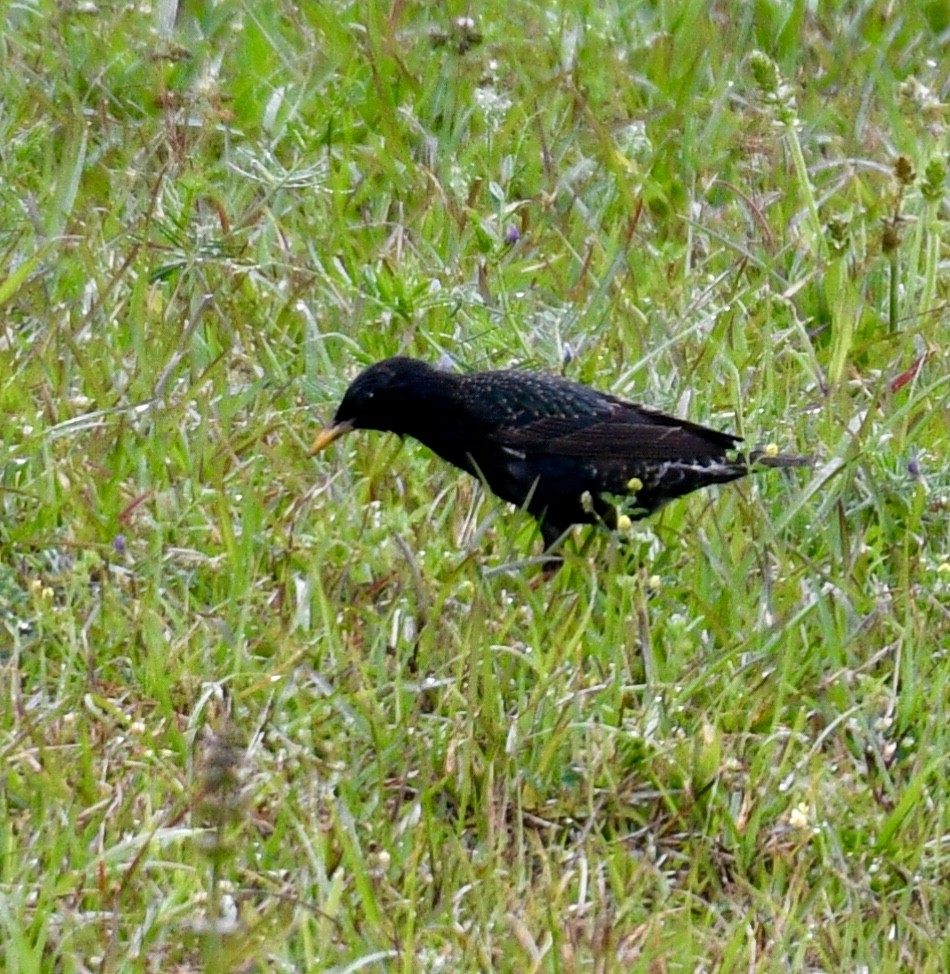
(800, 816)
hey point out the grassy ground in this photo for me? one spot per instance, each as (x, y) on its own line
(262, 712)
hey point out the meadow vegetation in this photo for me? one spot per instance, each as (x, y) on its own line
(267, 712)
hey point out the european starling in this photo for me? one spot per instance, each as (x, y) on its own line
(564, 452)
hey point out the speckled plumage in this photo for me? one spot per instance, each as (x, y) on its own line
(561, 450)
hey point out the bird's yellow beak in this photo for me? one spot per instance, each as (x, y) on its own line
(327, 435)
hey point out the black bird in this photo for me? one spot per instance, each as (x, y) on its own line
(566, 453)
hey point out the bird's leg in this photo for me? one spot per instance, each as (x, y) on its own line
(553, 535)
(606, 511)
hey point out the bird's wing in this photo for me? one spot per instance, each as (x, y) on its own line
(622, 431)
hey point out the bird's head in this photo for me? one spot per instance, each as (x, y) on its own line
(382, 397)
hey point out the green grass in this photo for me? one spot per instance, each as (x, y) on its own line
(263, 712)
